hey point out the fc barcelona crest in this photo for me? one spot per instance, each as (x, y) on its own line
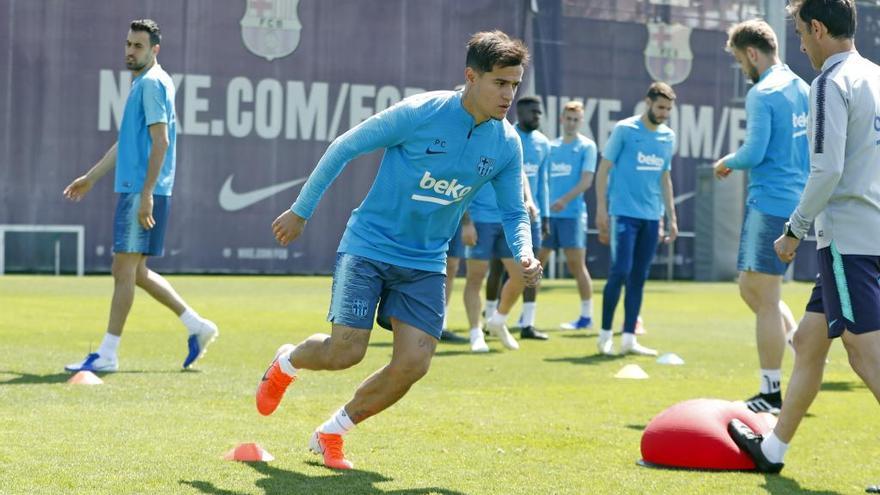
(668, 53)
(485, 166)
(271, 28)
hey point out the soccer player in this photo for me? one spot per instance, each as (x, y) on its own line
(440, 148)
(536, 154)
(639, 152)
(843, 196)
(775, 153)
(144, 158)
(572, 165)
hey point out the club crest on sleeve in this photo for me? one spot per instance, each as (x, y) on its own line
(485, 166)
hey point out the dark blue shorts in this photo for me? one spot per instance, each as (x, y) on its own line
(567, 233)
(756, 254)
(491, 242)
(456, 246)
(847, 291)
(415, 297)
(129, 236)
(536, 235)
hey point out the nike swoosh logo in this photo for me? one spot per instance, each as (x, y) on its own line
(832, 322)
(233, 201)
(432, 152)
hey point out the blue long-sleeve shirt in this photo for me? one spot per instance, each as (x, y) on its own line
(775, 150)
(435, 160)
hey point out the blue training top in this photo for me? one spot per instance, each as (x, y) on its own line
(775, 151)
(536, 164)
(568, 162)
(640, 156)
(150, 101)
(436, 158)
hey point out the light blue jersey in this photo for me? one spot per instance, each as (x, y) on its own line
(150, 101)
(640, 156)
(536, 164)
(484, 208)
(435, 160)
(775, 151)
(568, 161)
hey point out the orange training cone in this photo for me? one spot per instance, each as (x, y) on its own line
(85, 378)
(248, 452)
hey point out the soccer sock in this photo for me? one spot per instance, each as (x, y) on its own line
(109, 345)
(773, 448)
(476, 334)
(628, 339)
(498, 318)
(338, 424)
(191, 320)
(771, 381)
(605, 334)
(490, 308)
(445, 326)
(285, 364)
(587, 308)
(528, 314)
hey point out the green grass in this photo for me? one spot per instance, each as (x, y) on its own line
(547, 419)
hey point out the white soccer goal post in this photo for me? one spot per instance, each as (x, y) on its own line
(79, 230)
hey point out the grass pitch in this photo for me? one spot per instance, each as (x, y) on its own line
(549, 418)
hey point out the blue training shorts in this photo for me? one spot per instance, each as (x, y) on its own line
(567, 233)
(129, 236)
(536, 235)
(491, 242)
(756, 254)
(847, 292)
(415, 297)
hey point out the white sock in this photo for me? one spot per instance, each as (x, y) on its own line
(476, 334)
(191, 320)
(498, 318)
(339, 424)
(285, 364)
(587, 308)
(773, 448)
(109, 345)
(628, 339)
(528, 314)
(771, 381)
(605, 334)
(445, 326)
(490, 308)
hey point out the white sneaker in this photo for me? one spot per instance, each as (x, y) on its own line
(478, 344)
(605, 345)
(503, 333)
(96, 363)
(198, 342)
(789, 340)
(638, 349)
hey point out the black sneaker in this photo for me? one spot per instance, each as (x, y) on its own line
(771, 403)
(531, 332)
(448, 336)
(873, 489)
(750, 443)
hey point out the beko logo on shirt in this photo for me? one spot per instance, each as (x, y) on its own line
(799, 124)
(560, 169)
(655, 162)
(530, 169)
(451, 189)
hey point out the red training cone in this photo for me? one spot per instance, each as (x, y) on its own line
(85, 378)
(248, 452)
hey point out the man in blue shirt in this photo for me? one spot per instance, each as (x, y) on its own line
(440, 149)
(776, 155)
(144, 158)
(628, 212)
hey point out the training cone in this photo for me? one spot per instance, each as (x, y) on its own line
(85, 378)
(632, 372)
(248, 452)
(670, 358)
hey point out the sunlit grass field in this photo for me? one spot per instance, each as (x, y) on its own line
(548, 419)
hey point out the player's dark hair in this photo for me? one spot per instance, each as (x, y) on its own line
(528, 100)
(658, 89)
(755, 33)
(839, 16)
(150, 27)
(489, 49)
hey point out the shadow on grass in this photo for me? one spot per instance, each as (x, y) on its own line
(578, 335)
(279, 481)
(841, 386)
(464, 352)
(776, 484)
(588, 360)
(637, 427)
(35, 379)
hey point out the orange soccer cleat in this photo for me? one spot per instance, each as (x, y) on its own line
(330, 446)
(273, 384)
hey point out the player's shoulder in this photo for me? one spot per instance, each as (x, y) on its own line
(508, 133)
(430, 101)
(628, 124)
(585, 141)
(157, 75)
(540, 138)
